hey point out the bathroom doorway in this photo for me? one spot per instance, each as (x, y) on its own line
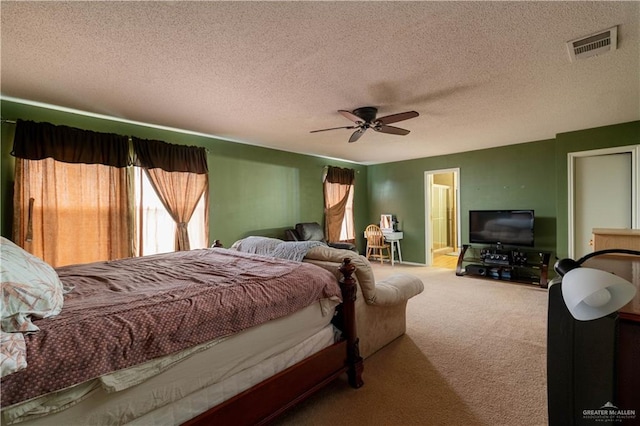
(442, 217)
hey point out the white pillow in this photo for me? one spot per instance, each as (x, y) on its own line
(30, 287)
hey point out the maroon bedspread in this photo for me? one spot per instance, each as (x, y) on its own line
(125, 312)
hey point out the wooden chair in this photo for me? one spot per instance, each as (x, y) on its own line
(375, 243)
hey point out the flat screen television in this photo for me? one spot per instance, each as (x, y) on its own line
(501, 227)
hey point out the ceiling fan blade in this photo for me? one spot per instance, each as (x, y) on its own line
(391, 130)
(394, 118)
(350, 116)
(356, 135)
(334, 128)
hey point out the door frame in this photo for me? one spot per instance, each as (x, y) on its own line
(428, 182)
(634, 150)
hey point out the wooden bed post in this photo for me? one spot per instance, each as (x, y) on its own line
(349, 291)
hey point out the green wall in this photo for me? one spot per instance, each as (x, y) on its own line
(261, 191)
(524, 176)
(6, 178)
(253, 190)
(512, 177)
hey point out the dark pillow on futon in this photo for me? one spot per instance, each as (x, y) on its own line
(310, 231)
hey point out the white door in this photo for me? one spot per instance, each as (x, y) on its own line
(603, 196)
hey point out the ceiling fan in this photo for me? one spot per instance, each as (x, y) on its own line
(365, 118)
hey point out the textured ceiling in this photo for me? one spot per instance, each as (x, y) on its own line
(481, 74)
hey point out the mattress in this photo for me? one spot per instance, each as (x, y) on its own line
(175, 388)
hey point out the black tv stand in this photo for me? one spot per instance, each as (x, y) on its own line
(529, 266)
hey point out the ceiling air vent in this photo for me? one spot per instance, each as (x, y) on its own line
(595, 44)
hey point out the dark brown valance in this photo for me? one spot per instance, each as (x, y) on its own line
(37, 141)
(341, 176)
(153, 154)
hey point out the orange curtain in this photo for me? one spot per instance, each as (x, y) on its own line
(180, 193)
(337, 186)
(72, 213)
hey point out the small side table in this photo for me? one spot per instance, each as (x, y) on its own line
(394, 238)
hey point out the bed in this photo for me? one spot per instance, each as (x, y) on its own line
(172, 339)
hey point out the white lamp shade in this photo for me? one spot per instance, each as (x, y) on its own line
(591, 293)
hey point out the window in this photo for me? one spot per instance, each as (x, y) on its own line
(81, 196)
(347, 231)
(154, 224)
(72, 213)
(338, 204)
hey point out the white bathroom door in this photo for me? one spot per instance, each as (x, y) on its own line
(439, 219)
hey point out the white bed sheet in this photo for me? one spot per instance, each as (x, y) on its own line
(178, 387)
(200, 401)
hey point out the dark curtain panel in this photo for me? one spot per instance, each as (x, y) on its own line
(151, 154)
(37, 141)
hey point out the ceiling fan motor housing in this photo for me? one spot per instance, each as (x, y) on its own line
(368, 114)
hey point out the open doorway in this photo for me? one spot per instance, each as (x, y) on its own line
(442, 217)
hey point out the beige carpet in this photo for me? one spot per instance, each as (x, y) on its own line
(474, 354)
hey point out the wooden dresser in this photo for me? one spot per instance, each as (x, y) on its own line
(604, 239)
(628, 329)
(623, 265)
